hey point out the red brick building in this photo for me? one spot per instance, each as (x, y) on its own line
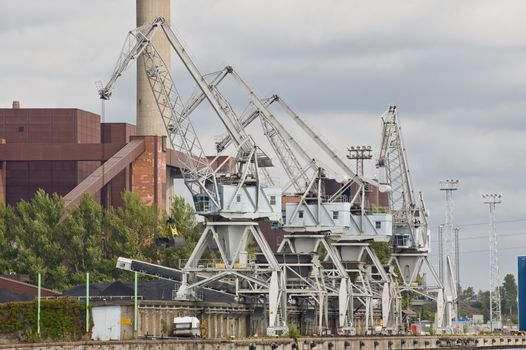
(62, 150)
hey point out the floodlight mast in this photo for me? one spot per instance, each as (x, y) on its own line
(229, 223)
(359, 153)
(492, 199)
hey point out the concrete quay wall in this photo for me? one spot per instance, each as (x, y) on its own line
(334, 343)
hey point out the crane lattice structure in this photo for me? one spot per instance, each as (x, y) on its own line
(410, 226)
(319, 222)
(495, 315)
(449, 259)
(231, 203)
(305, 285)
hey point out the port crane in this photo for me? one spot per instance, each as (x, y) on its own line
(410, 226)
(230, 203)
(304, 279)
(324, 229)
(307, 182)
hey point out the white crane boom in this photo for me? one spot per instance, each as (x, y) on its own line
(322, 144)
(298, 175)
(196, 100)
(408, 213)
(263, 110)
(393, 157)
(219, 104)
(196, 170)
(135, 43)
(195, 167)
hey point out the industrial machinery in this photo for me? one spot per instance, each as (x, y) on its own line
(337, 224)
(350, 227)
(230, 202)
(326, 254)
(410, 227)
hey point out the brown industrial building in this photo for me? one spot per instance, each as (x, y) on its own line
(62, 151)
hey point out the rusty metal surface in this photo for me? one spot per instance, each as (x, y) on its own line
(49, 125)
(59, 151)
(117, 132)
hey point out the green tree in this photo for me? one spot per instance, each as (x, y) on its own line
(383, 251)
(131, 229)
(183, 216)
(37, 249)
(508, 293)
(82, 238)
(467, 294)
(483, 298)
(7, 240)
(40, 236)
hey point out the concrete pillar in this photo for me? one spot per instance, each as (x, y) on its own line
(149, 121)
(209, 326)
(216, 328)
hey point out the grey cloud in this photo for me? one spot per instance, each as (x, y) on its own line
(455, 69)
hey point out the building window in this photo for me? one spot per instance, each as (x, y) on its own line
(164, 140)
(335, 215)
(21, 129)
(378, 224)
(202, 203)
(300, 214)
(238, 198)
(272, 200)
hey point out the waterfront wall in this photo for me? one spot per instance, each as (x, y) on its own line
(218, 320)
(336, 343)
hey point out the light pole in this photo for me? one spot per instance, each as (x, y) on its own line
(359, 153)
(495, 314)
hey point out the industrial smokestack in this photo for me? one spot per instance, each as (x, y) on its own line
(149, 121)
(16, 104)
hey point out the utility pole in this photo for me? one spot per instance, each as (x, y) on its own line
(449, 259)
(495, 314)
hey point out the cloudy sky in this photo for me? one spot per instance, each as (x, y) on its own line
(455, 69)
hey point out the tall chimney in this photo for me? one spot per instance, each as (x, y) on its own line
(149, 121)
(16, 104)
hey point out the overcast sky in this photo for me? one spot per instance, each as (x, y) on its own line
(455, 69)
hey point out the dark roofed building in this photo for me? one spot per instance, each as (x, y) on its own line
(14, 290)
